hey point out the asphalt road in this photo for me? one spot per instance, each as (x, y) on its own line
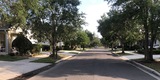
(95, 64)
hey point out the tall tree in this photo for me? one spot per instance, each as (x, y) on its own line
(57, 20)
(146, 13)
(118, 26)
(82, 39)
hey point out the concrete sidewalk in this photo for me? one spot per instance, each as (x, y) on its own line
(13, 69)
(9, 70)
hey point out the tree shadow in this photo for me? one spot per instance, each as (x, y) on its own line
(114, 68)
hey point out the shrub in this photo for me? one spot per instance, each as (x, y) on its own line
(140, 51)
(134, 47)
(36, 48)
(156, 51)
(11, 54)
(45, 47)
(22, 44)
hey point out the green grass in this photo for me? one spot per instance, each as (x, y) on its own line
(49, 59)
(11, 58)
(45, 60)
(153, 64)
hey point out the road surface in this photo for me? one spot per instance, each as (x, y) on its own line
(96, 64)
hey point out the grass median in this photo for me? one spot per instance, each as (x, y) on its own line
(153, 65)
(50, 59)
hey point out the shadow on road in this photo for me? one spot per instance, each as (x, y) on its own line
(101, 66)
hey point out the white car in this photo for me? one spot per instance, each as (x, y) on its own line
(156, 46)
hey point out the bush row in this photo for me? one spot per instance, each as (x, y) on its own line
(141, 51)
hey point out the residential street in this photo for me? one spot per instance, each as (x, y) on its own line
(96, 64)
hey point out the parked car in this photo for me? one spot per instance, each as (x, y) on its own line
(155, 46)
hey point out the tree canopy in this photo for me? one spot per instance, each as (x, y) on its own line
(52, 20)
(56, 21)
(144, 13)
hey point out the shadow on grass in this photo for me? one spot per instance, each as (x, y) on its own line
(11, 58)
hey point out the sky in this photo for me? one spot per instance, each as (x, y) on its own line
(93, 10)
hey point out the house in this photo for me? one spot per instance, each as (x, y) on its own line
(7, 35)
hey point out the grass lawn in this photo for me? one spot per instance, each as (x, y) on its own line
(45, 60)
(49, 59)
(153, 65)
(11, 58)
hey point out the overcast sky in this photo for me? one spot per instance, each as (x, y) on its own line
(93, 9)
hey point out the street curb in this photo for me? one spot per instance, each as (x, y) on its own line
(37, 71)
(64, 59)
(145, 68)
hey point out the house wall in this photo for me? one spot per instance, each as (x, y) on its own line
(2, 41)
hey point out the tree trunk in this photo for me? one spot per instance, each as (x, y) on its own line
(112, 47)
(83, 47)
(151, 45)
(153, 38)
(122, 43)
(54, 52)
(148, 55)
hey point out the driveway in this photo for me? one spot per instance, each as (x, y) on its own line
(97, 64)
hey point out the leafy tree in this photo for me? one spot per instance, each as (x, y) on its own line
(82, 39)
(4, 15)
(16, 12)
(118, 27)
(90, 35)
(22, 44)
(147, 14)
(95, 42)
(56, 21)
